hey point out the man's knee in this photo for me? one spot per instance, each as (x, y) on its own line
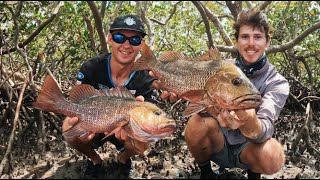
(274, 158)
(269, 158)
(195, 129)
(203, 135)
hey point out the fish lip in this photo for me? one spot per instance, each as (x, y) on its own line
(248, 100)
(166, 128)
(171, 124)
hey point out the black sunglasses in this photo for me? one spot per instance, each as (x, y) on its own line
(120, 39)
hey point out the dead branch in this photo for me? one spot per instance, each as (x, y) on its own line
(15, 122)
(304, 134)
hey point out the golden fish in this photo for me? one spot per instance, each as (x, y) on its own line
(206, 81)
(105, 111)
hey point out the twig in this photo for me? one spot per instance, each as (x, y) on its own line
(15, 122)
(304, 134)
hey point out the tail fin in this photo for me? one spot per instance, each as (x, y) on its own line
(50, 96)
(147, 58)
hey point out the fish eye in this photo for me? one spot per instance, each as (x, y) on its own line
(158, 113)
(237, 81)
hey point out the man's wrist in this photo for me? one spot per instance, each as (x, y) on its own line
(251, 129)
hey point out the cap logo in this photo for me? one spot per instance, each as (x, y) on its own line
(80, 75)
(129, 21)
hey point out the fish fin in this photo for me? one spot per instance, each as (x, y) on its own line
(171, 56)
(82, 91)
(193, 108)
(129, 130)
(214, 111)
(75, 131)
(139, 146)
(118, 91)
(119, 126)
(212, 54)
(135, 135)
(193, 95)
(50, 98)
(147, 58)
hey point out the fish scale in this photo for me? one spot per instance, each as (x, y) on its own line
(180, 83)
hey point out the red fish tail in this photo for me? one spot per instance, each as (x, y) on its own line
(50, 97)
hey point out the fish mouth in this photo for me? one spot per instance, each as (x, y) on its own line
(146, 133)
(168, 125)
(248, 101)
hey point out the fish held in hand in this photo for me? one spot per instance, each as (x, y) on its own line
(105, 111)
(206, 81)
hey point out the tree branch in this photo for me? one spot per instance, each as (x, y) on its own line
(217, 23)
(235, 7)
(264, 5)
(295, 41)
(103, 9)
(148, 23)
(173, 11)
(206, 22)
(38, 30)
(99, 28)
(14, 126)
(90, 30)
(279, 48)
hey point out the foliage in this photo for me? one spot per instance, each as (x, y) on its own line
(66, 42)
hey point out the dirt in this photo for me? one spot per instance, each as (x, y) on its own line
(166, 159)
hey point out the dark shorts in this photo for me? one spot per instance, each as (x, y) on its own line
(229, 156)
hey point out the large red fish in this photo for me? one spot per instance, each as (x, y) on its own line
(206, 81)
(105, 111)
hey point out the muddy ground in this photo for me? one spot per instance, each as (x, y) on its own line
(166, 159)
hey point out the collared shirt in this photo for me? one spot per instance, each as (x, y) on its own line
(274, 89)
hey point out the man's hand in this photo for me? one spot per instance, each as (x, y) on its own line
(140, 98)
(165, 95)
(252, 127)
(236, 119)
(228, 119)
(247, 115)
(70, 122)
(244, 120)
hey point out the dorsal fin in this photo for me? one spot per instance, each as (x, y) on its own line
(118, 91)
(82, 91)
(171, 56)
(146, 60)
(212, 54)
